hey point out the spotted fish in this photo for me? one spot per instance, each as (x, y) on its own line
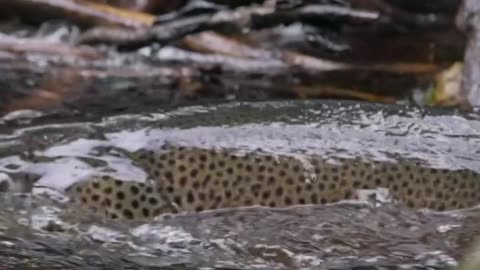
(196, 179)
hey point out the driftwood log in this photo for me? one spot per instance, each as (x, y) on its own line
(201, 51)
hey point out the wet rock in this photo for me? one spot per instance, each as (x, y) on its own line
(52, 226)
(4, 183)
(17, 182)
(468, 20)
(21, 116)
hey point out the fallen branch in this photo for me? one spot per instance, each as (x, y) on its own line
(39, 46)
(83, 12)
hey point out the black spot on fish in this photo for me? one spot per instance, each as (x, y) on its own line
(107, 190)
(182, 168)
(183, 181)
(151, 160)
(152, 201)
(279, 191)
(168, 175)
(145, 212)
(271, 180)
(314, 198)
(135, 204)
(134, 189)
(190, 197)
(196, 184)
(120, 195)
(321, 186)
(128, 214)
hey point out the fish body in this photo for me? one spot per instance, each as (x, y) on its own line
(197, 179)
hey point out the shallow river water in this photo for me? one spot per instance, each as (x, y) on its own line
(38, 229)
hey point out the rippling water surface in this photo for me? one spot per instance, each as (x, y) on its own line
(38, 229)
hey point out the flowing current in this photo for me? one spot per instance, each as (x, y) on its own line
(40, 229)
